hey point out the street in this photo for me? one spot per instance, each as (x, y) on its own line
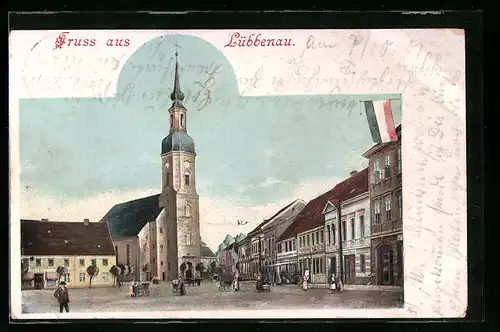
(208, 297)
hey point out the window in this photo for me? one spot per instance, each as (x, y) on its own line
(334, 234)
(66, 262)
(312, 238)
(161, 248)
(82, 277)
(308, 236)
(167, 178)
(293, 244)
(286, 246)
(186, 179)
(400, 161)
(93, 262)
(161, 230)
(188, 239)
(387, 169)
(171, 120)
(362, 226)
(344, 230)
(187, 210)
(353, 230)
(161, 263)
(51, 261)
(400, 204)
(116, 253)
(105, 276)
(321, 236)
(128, 254)
(317, 237)
(182, 120)
(329, 240)
(376, 171)
(168, 265)
(82, 262)
(376, 211)
(388, 216)
(38, 262)
(362, 263)
(104, 262)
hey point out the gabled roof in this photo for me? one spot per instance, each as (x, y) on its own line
(312, 215)
(207, 252)
(60, 238)
(290, 230)
(262, 224)
(127, 219)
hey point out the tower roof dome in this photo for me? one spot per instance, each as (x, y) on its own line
(177, 141)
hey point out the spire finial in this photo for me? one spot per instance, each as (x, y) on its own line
(177, 96)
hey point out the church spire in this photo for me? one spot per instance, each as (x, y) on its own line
(177, 96)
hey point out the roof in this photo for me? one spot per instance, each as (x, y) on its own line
(271, 218)
(177, 141)
(290, 230)
(127, 219)
(65, 238)
(229, 247)
(312, 215)
(207, 252)
(379, 146)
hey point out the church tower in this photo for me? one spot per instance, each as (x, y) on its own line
(178, 226)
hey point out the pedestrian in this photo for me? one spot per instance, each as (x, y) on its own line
(340, 286)
(235, 280)
(62, 296)
(333, 284)
(305, 280)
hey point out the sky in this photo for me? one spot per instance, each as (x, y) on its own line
(81, 156)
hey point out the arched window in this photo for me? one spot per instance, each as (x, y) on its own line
(186, 178)
(161, 248)
(171, 120)
(187, 210)
(167, 177)
(182, 120)
(188, 239)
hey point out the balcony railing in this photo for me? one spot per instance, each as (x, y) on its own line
(390, 226)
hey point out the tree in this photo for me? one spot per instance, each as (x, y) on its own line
(61, 271)
(25, 266)
(200, 267)
(183, 267)
(115, 272)
(213, 265)
(92, 271)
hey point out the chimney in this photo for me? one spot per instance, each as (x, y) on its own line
(352, 173)
(85, 221)
(44, 219)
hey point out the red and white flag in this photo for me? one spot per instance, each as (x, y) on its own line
(380, 121)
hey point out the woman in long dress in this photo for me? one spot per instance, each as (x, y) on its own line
(305, 280)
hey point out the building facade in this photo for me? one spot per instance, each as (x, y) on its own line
(76, 246)
(355, 223)
(287, 251)
(173, 234)
(386, 199)
(244, 258)
(127, 254)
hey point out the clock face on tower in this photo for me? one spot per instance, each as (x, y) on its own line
(186, 164)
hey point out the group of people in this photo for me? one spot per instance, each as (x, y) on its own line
(335, 283)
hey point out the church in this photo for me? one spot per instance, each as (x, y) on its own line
(156, 234)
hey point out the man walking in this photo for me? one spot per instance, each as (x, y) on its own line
(61, 294)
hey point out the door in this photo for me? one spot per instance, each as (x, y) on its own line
(385, 265)
(400, 264)
(38, 280)
(349, 269)
(333, 267)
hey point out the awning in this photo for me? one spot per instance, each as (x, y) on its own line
(28, 276)
(51, 276)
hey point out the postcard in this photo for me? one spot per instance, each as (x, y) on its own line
(237, 174)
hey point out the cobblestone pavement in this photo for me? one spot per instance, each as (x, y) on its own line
(208, 297)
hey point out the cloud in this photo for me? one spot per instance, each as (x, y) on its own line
(218, 216)
(268, 182)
